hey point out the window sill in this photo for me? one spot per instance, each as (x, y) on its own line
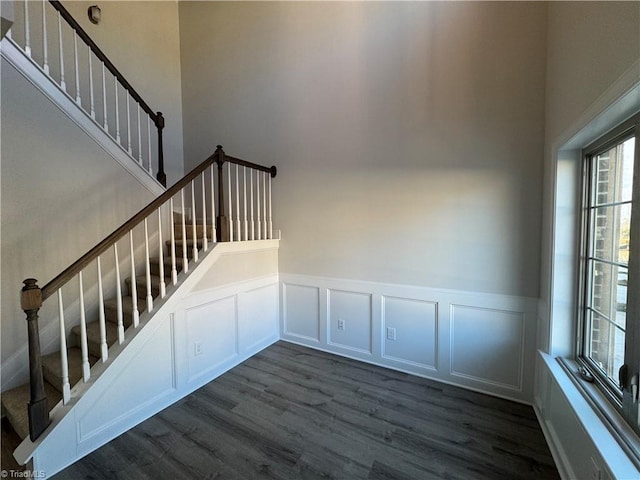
(601, 411)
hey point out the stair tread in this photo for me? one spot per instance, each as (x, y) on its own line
(93, 335)
(142, 280)
(127, 307)
(15, 403)
(52, 367)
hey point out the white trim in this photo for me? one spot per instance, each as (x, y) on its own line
(597, 441)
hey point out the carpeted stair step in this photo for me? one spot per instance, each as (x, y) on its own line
(52, 370)
(93, 336)
(141, 286)
(15, 405)
(189, 230)
(166, 260)
(180, 245)
(111, 310)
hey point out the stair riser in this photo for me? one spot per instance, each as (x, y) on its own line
(155, 268)
(142, 290)
(189, 232)
(189, 253)
(111, 315)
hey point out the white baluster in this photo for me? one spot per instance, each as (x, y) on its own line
(63, 85)
(64, 361)
(270, 212)
(214, 237)
(27, 33)
(128, 125)
(77, 70)
(253, 226)
(104, 100)
(258, 200)
(163, 286)
(45, 47)
(185, 260)
(174, 271)
(83, 334)
(103, 327)
(244, 183)
(91, 100)
(120, 319)
(194, 232)
(264, 202)
(230, 204)
(115, 88)
(147, 267)
(135, 314)
(238, 203)
(149, 144)
(205, 244)
(139, 137)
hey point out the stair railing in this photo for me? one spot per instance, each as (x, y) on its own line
(192, 203)
(49, 37)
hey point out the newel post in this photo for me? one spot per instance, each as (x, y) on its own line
(161, 176)
(222, 223)
(31, 301)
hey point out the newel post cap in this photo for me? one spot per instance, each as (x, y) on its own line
(31, 296)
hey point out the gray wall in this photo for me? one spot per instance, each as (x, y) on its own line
(408, 136)
(577, 86)
(61, 193)
(142, 41)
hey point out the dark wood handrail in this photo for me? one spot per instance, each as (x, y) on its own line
(218, 156)
(272, 170)
(103, 58)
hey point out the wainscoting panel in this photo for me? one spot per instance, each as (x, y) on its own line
(417, 322)
(301, 307)
(212, 336)
(487, 345)
(474, 340)
(257, 317)
(349, 321)
(110, 408)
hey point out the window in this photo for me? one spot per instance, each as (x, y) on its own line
(610, 267)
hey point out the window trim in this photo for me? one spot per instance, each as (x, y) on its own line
(607, 401)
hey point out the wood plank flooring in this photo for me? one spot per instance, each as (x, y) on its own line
(295, 413)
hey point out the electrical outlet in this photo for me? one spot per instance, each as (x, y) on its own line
(340, 324)
(391, 333)
(197, 348)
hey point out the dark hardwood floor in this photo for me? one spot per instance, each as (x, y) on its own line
(295, 413)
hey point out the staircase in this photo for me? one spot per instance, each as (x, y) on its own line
(102, 314)
(15, 401)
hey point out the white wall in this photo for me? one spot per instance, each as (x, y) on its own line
(408, 136)
(60, 195)
(142, 41)
(592, 83)
(408, 140)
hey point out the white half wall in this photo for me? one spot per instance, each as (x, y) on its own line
(478, 341)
